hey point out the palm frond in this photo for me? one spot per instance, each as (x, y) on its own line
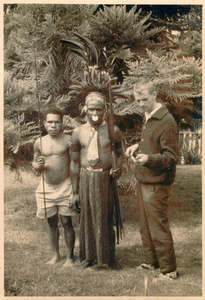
(90, 45)
(128, 109)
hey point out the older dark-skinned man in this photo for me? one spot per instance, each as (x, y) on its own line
(92, 181)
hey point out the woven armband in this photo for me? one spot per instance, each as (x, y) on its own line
(118, 145)
(75, 147)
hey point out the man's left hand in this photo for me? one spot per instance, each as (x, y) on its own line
(116, 173)
(140, 159)
(75, 204)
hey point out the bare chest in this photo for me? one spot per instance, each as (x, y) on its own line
(54, 147)
(102, 137)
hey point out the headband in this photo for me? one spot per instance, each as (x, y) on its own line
(94, 96)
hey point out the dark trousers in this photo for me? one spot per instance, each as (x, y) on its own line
(154, 226)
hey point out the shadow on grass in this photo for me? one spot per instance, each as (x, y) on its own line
(128, 257)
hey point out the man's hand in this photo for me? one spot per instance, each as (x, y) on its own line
(140, 159)
(76, 203)
(39, 163)
(115, 173)
(131, 150)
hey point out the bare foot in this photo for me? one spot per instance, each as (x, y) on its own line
(86, 263)
(54, 260)
(69, 263)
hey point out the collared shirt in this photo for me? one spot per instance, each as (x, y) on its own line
(148, 116)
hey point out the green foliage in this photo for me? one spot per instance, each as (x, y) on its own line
(127, 45)
(40, 28)
(129, 183)
(190, 21)
(18, 144)
(98, 81)
(18, 132)
(95, 80)
(115, 26)
(35, 63)
(99, 77)
(19, 96)
(191, 43)
(190, 156)
(13, 93)
(171, 73)
(189, 38)
(177, 78)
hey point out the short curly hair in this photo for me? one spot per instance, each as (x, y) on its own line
(55, 111)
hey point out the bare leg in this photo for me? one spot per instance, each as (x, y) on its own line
(54, 238)
(69, 239)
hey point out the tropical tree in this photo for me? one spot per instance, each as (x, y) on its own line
(33, 32)
(35, 63)
(41, 43)
(113, 27)
(176, 74)
(177, 80)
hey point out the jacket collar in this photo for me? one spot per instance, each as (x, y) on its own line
(160, 113)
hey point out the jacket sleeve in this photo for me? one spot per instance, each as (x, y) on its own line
(168, 158)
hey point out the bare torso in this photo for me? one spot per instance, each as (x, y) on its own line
(104, 146)
(57, 158)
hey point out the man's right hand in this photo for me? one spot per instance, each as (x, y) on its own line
(38, 165)
(76, 203)
(40, 162)
(131, 150)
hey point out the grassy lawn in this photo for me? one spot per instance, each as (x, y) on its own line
(27, 247)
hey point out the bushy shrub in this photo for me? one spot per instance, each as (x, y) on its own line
(190, 156)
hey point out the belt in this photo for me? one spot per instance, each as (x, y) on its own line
(90, 169)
